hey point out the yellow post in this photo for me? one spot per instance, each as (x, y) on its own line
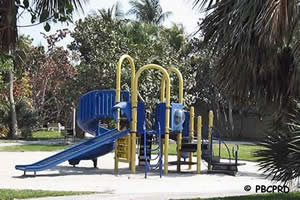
(191, 133)
(210, 126)
(118, 97)
(199, 139)
(179, 141)
(134, 110)
(180, 100)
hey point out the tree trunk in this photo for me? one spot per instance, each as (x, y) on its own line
(230, 117)
(14, 123)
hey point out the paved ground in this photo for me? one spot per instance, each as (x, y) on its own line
(123, 185)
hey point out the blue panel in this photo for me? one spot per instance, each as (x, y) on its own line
(186, 124)
(141, 117)
(97, 105)
(177, 117)
(160, 117)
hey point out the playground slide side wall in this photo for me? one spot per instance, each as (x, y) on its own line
(74, 151)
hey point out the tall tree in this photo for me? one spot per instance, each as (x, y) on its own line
(258, 47)
(111, 13)
(42, 10)
(149, 11)
(254, 39)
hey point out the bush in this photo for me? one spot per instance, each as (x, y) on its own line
(27, 118)
(280, 159)
(4, 120)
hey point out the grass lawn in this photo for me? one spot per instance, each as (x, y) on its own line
(274, 196)
(33, 147)
(41, 135)
(245, 151)
(9, 194)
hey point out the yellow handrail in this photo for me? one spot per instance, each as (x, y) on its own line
(118, 81)
(118, 97)
(180, 100)
(180, 80)
(134, 112)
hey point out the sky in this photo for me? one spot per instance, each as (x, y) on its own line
(181, 9)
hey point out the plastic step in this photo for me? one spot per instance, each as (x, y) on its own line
(181, 163)
(224, 166)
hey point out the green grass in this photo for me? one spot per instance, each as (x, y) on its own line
(10, 194)
(245, 151)
(46, 135)
(33, 147)
(274, 196)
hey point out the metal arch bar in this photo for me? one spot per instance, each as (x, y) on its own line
(180, 100)
(118, 97)
(134, 110)
(118, 81)
(180, 80)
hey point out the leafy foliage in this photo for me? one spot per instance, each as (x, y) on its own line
(254, 39)
(100, 44)
(50, 10)
(280, 158)
(148, 11)
(50, 72)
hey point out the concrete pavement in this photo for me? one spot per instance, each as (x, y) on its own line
(112, 185)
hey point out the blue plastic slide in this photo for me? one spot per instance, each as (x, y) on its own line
(99, 143)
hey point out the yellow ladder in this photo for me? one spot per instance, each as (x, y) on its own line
(123, 149)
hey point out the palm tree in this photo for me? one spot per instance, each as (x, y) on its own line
(43, 10)
(112, 13)
(255, 41)
(258, 45)
(148, 11)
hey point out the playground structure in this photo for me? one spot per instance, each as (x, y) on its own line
(169, 121)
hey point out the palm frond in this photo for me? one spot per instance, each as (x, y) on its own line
(50, 7)
(148, 11)
(280, 158)
(253, 41)
(163, 17)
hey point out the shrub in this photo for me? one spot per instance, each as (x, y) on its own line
(280, 160)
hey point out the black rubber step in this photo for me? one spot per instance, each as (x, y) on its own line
(192, 147)
(181, 163)
(224, 166)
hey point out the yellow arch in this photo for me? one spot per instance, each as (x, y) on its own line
(118, 81)
(134, 113)
(180, 80)
(180, 100)
(118, 99)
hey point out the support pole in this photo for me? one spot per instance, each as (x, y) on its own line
(118, 99)
(199, 141)
(191, 133)
(74, 122)
(179, 141)
(210, 126)
(180, 100)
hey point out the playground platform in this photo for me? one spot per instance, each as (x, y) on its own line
(123, 185)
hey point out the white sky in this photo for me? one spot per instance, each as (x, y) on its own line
(181, 9)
